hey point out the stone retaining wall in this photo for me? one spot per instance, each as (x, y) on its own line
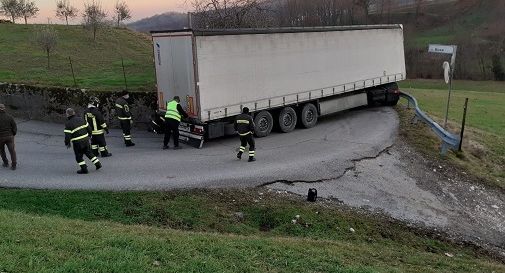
(50, 103)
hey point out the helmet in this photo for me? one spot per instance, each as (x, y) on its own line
(94, 101)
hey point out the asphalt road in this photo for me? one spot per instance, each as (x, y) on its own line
(320, 153)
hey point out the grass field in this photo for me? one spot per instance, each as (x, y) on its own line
(97, 65)
(484, 144)
(197, 231)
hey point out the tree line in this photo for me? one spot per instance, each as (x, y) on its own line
(93, 13)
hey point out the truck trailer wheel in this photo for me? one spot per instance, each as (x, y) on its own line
(264, 124)
(287, 120)
(309, 115)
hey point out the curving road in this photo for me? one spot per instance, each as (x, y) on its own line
(321, 153)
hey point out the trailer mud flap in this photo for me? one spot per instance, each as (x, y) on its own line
(191, 134)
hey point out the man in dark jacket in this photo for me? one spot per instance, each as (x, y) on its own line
(77, 133)
(125, 117)
(172, 120)
(95, 119)
(244, 125)
(8, 130)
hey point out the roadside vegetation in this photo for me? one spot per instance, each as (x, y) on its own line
(213, 231)
(483, 152)
(97, 64)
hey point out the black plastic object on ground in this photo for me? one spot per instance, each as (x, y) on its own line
(312, 195)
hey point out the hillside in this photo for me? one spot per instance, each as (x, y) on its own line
(97, 65)
(169, 20)
(213, 231)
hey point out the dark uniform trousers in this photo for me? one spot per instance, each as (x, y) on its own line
(126, 126)
(171, 129)
(98, 144)
(81, 149)
(244, 141)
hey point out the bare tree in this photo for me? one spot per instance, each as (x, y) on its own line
(47, 39)
(95, 17)
(231, 13)
(11, 8)
(27, 9)
(122, 12)
(64, 10)
(365, 5)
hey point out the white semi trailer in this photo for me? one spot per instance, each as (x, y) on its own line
(285, 76)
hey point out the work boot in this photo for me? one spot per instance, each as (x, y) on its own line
(5, 165)
(98, 165)
(129, 143)
(166, 147)
(239, 155)
(83, 170)
(105, 154)
(252, 159)
(14, 166)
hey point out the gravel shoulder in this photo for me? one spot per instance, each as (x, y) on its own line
(405, 185)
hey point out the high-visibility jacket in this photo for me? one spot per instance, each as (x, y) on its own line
(122, 109)
(244, 124)
(77, 131)
(173, 111)
(95, 120)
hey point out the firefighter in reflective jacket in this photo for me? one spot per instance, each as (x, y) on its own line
(172, 120)
(244, 125)
(125, 117)
(98, 126)
(77, 133)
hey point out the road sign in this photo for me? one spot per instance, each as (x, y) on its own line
(442, 49)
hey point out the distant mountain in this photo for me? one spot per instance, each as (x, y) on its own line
(165, 21)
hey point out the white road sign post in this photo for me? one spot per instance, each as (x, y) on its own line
(446, 49)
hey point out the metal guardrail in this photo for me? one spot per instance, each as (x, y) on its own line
(449, 140)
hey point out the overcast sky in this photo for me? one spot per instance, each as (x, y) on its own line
(140, 8)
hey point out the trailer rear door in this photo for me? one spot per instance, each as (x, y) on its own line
(175, 69)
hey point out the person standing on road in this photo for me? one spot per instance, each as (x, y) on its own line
(172, 120)
(125, 117)
(8, 130)
(244, 125)
(95, 119)
(77, 133)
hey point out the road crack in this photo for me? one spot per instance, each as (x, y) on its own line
(342, 174)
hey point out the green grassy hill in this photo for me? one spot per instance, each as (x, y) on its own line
(193, 231)
(97, 65)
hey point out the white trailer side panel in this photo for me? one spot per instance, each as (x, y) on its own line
(267, 70)
(175, 72)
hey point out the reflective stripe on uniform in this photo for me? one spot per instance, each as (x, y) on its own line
(79, 138)
(94, 160)
(243, 121)
(76, 129)
(245, 134)
(104, 125)
(127, 118)
(102, 149)
(94, 147)
(252, 153)
(99, 132)
(119, 106)
(82, 163)
(242, 148)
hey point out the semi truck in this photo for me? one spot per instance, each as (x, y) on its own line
(287, 77)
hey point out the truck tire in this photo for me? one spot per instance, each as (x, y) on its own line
(264, 124)
(287, 120)
(309, 115)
